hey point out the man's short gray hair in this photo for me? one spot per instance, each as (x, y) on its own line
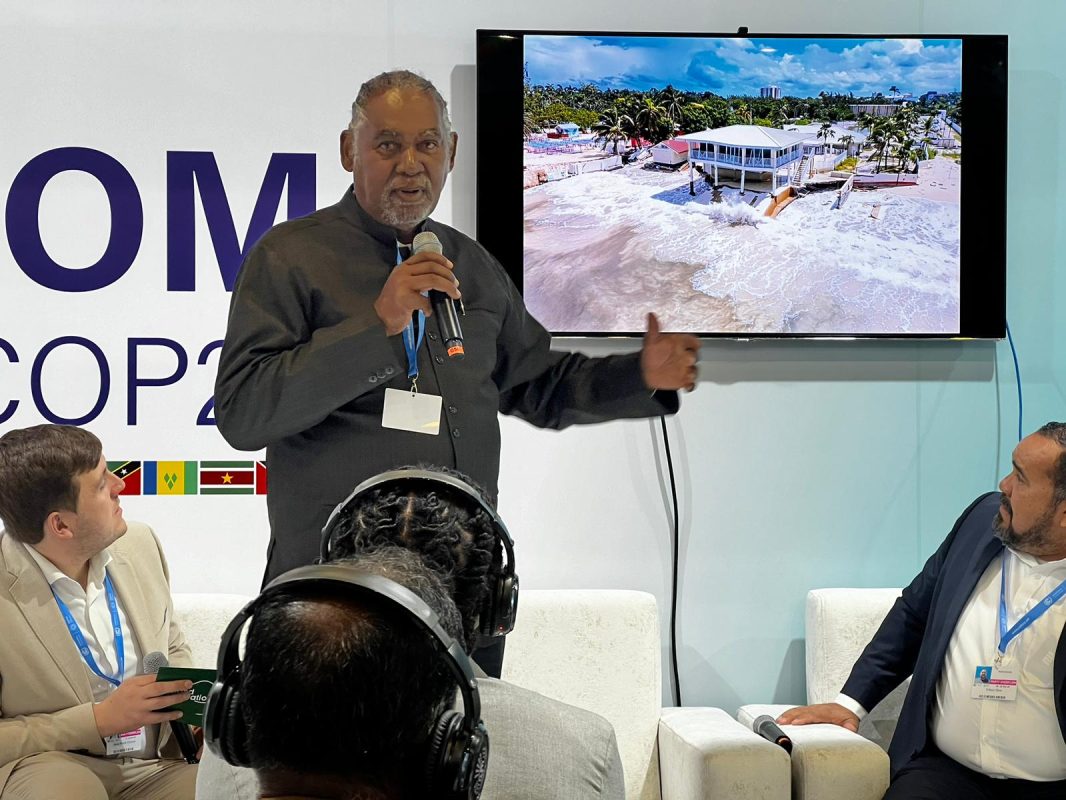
(398, 79)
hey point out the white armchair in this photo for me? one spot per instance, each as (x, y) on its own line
(829, 762)
(598, 650)
(203, 618)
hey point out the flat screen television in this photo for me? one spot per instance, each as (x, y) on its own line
(747, 185)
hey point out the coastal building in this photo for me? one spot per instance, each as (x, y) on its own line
(841, 138)
(875, 109)
(670, 153)
(745, 149)
(773, 92)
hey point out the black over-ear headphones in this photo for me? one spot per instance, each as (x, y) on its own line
(459, 744)
(497, 615)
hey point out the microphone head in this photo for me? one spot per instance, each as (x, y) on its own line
(767, 727)
(426, 242)
(152, 663)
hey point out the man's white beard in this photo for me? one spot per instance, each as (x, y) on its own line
(406, 216)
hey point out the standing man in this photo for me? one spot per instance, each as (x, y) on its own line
(325, 363)
(83, 599)
(990, 599)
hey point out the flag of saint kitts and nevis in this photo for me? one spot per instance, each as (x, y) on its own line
(191, 477)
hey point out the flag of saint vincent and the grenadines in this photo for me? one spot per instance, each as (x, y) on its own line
(191, 477)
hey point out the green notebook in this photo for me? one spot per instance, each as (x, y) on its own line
(202, 680)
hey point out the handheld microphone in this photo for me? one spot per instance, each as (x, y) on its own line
(151, 664)
(768, 729)
(443, 306)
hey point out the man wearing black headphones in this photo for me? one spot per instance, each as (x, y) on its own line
(541, 749)
(347, 684)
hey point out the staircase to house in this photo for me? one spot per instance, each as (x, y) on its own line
(797, 176)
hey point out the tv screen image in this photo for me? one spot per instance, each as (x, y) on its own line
(748, 185)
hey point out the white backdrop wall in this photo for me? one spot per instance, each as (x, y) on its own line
(800, 464)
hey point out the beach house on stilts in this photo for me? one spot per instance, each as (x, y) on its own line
(746, 149)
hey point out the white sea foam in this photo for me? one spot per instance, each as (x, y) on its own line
(814, 268)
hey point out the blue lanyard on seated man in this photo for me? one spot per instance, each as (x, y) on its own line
(119, 744)
(1031, 616)
(79, 637)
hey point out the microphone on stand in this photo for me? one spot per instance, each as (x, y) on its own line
(443, 305)
(768, 729)
(151, 664)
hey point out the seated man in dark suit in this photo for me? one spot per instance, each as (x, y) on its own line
(990, 599)
(346, 686)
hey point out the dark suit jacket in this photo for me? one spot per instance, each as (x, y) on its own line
(914, 637)
(306, 363)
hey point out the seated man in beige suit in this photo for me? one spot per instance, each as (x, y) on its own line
(84, 598)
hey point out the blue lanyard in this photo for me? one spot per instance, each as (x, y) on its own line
(412, 341)
(79, 638)
(1034, 613)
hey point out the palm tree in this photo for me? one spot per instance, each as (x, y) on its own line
(825, 133)
(614, 127)
(650, 119)
(672, 102)
(904, 153)
(955, 112)
(927, 131)
(529, 125)
(780, 116)
(882, 136)
(743, 113)
(907, 117)
(846, 140)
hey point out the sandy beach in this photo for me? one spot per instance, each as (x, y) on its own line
(603, 248)
(939, 179)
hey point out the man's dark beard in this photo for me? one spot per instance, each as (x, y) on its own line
(1034, 541)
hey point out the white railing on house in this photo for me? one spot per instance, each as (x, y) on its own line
(751, 162)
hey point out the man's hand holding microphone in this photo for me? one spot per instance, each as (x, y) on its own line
(405, 290)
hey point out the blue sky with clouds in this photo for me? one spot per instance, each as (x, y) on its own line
(740, 66)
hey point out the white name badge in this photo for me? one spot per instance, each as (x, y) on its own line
(128, 742)
(990, 683)
(411, 411)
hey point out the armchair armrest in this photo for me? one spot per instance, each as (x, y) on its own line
(704, 754)
(828, 762)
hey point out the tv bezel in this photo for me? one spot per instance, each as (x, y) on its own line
(982, 226)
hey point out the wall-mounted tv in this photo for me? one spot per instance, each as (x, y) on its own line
(747, 185)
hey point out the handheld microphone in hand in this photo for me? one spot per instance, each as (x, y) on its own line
(151, 664)
(443, 306)
(768, 729)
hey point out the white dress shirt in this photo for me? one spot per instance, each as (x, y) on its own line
(89, 609)
(1001, 738)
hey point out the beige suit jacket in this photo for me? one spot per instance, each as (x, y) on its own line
(45, 698)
